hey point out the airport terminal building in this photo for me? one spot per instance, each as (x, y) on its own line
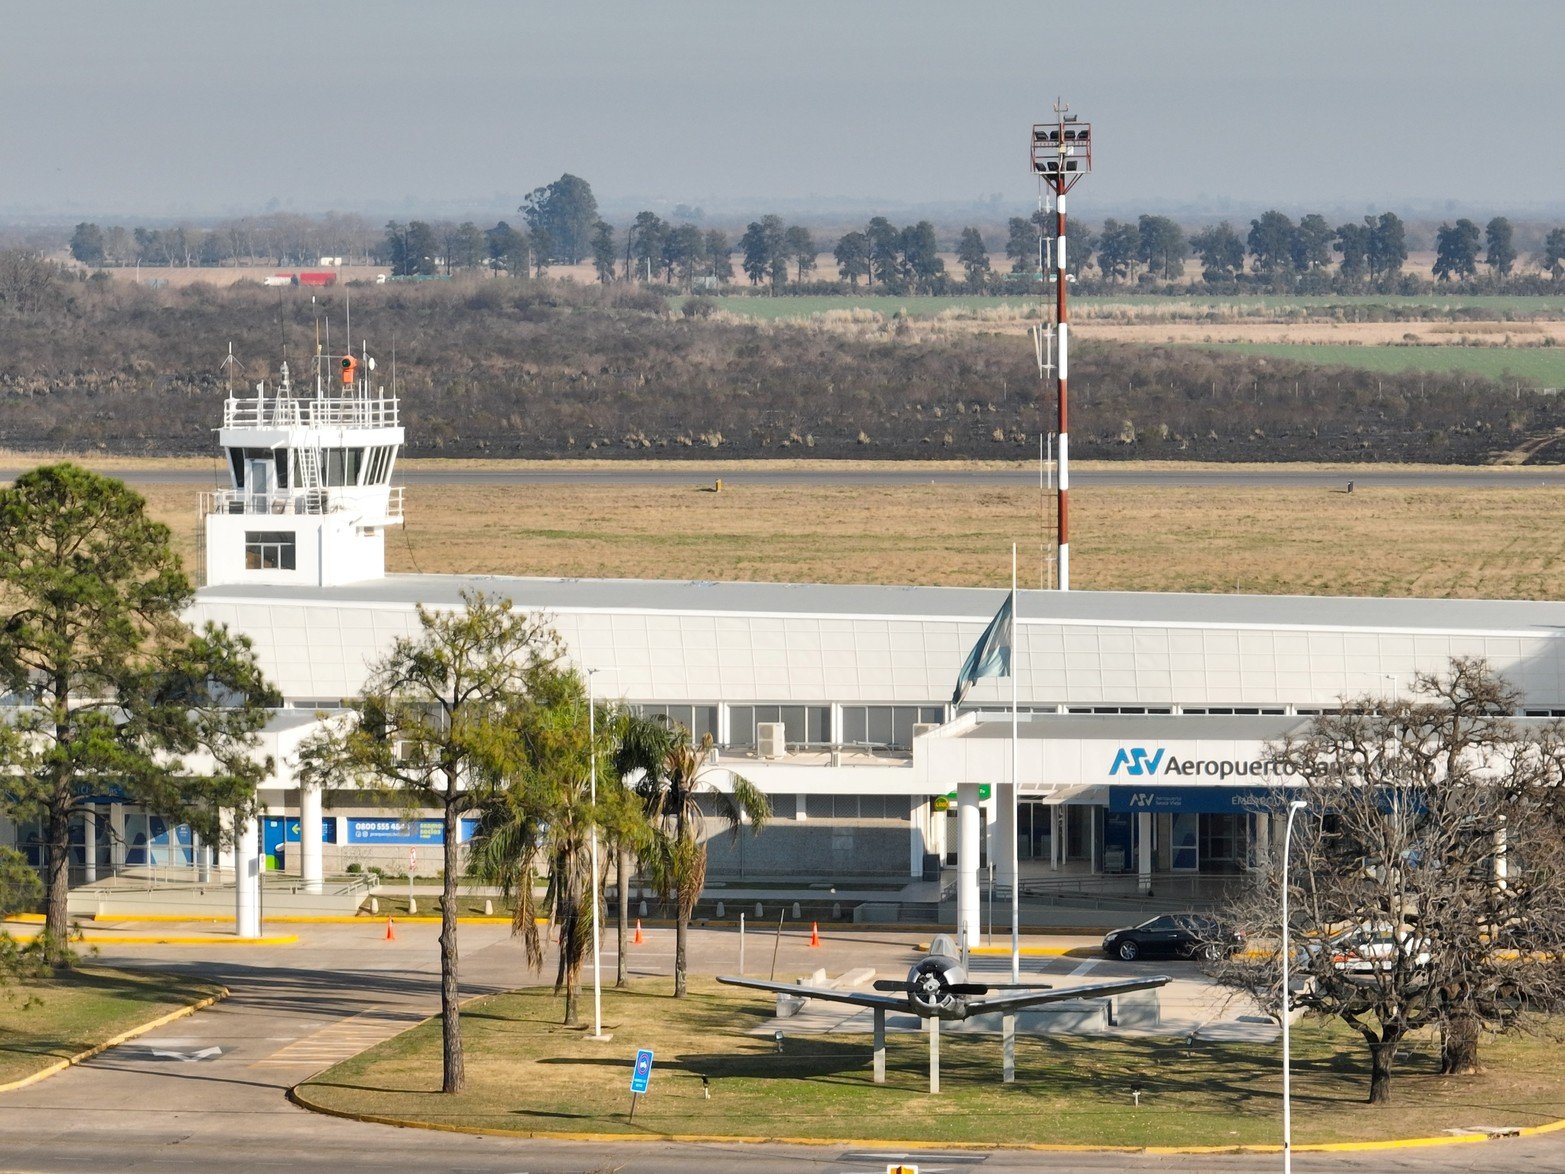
(1143, 717)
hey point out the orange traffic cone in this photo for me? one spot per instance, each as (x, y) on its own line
(391, 933)
(638, 939)
(815, 933)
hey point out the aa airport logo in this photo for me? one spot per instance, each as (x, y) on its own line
(1139, 762)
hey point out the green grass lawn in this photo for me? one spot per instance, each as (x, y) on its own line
(47, 1020)
(526, 1072)
(1531, 366)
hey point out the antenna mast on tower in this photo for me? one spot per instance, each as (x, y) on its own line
(1061, 154)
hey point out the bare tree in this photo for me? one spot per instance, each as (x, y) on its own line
(1426, 880)
(28, 282)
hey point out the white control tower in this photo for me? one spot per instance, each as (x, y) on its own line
(310, 492)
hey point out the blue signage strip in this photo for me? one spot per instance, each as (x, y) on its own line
(643, 1071)
(395, 831)
(1200, 800)
(402, 831)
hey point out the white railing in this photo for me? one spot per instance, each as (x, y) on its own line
(291, 412)
(298, 501)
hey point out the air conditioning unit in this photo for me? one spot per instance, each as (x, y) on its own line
(770, 740)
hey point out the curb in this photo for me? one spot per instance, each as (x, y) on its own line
(285, 939)
(115, 1041)
(324, 919)
(298, 1098)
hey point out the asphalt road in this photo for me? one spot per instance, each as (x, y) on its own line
(893, 473)
(207, 1093)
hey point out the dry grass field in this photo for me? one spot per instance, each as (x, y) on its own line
(1501, 541)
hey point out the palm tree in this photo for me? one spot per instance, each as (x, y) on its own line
(640, 746)
(676, 857)
(544, 815)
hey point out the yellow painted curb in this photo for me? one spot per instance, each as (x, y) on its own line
(1026, 951)
(284, 939)
(160, 1021)
(304, 1102)
(324, 919)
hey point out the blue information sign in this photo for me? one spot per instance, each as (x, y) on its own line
(1202, 800)
(643, 1072)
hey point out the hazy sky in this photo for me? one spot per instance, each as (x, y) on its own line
(213, 107)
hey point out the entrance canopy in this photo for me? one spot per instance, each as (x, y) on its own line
(1163, 762)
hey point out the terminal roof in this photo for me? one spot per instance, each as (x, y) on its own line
(941, 603)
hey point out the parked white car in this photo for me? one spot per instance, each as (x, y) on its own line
(1368, 948)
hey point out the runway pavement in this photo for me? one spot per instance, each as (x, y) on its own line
(207, 1093)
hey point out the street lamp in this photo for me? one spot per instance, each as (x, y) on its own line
(1294, 807)
(592, 776)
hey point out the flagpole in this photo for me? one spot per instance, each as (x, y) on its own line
(1016, 876)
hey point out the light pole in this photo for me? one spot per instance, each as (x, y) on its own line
(592, 777)
(1061, 155)
(1294, 807)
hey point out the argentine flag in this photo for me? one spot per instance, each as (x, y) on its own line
(991, 656)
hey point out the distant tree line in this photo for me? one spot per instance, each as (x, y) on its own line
(559, 224)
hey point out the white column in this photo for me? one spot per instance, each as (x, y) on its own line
(90, 844)
(310, 837)
(1002, 846)
(1144, 851)
(969, 927)
(1263, 836)
(1502, 870)
(117, 836)
(247, 879)
(1056, 835)
(934, 1053)
(1093, 860)
(880, 1044)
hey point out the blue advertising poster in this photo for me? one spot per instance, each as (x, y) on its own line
(643, 1071)
(404, 831)
(394, 831)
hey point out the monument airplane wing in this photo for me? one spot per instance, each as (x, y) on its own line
(857, 998)
(1028, 994)
(1100, 990)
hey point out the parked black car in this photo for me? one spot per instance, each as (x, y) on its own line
(1179, 935)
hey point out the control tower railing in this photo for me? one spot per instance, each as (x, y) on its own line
(287, 411)
(300, 501)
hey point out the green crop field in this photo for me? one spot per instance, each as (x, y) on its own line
(1522, 305)
(788, 306)
(1530, 366)
(922, 307)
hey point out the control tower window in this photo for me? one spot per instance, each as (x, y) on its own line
(270, 550)
(240, 457)
(342, 465)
